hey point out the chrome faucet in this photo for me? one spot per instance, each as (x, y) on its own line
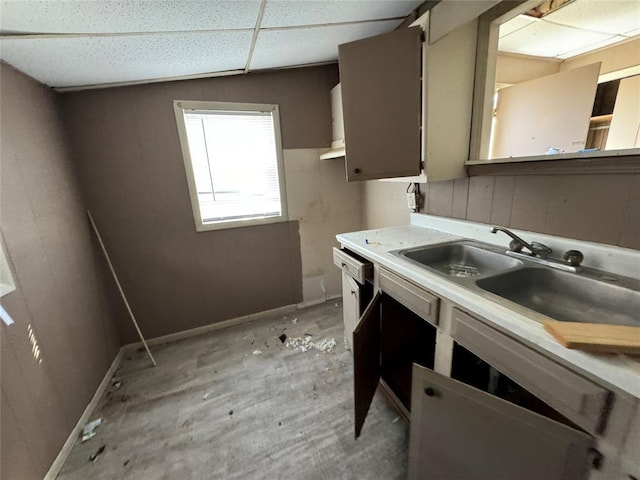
(517, 244)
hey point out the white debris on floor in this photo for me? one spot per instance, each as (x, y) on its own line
(304, 344)
(257, 352)
(89, 430)
(294, 321)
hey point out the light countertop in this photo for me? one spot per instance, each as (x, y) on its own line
(619, 372)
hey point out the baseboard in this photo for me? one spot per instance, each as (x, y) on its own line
(57, 464)
(194, 332)
(318, 301)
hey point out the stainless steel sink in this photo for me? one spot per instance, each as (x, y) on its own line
(586, 295)
(593, 297)
(459, 259)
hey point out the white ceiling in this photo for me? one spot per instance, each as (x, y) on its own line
(578, 27)
(96, 42)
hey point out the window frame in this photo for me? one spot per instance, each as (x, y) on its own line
(180, 107)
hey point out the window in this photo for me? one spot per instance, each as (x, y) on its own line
(233, 161)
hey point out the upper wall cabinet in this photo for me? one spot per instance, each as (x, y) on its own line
(407, 104)
(381, 90)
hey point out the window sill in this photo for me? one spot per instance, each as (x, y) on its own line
(616, 161)
(206, 227)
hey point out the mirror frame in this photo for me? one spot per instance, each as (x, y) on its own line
(611, 161)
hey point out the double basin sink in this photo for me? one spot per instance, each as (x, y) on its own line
(586, 295)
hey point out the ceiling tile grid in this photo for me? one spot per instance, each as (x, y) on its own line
(76, 61)
(118, 16)
(75, 43)
(577, 27)
(300, 46)
(288, 13)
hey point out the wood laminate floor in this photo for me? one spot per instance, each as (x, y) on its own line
(212, 409)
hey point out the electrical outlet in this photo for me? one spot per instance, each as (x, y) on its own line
(413, 200)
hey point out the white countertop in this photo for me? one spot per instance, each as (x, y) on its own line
(619, 372)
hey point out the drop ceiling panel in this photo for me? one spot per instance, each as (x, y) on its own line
(546, 39)
(280, 48)
(615, 17)
(64, 62)
(82, 16)
(516, 24)
(286, 13)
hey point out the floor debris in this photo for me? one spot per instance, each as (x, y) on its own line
(125, 463)
(230, 412)
(294, 321)
(304, 344)
(395, 420)
(115, 385)
(89, 430)
(257, 352)
(94, 456)
(283, 337)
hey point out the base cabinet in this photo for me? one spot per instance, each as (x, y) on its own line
(481, 404)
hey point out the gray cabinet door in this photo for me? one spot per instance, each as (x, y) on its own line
(381, 102)
(366, 360)
(459, 432)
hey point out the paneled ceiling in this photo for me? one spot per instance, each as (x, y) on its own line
(578, 27)
(78, 43)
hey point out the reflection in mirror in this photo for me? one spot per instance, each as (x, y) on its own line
(563, 77)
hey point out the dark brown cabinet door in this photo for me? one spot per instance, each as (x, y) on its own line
(459, 432)
(366, 360)
(381, 103)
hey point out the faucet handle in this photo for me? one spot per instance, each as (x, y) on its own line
(516, 246)
(573, 257)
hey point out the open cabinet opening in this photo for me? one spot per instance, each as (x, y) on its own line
(405, 339)
(470, 369)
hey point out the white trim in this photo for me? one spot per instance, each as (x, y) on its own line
(194, 332)
(194, 76)
(318, 301)
(58, 463)
(560, 156)
(254, 37)
(179, 107)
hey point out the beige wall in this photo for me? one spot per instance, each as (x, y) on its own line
(512, 69)
(614, 58)
(324, 204)
(62, 290)
(598, 208)
(384, 204)
(128, 157)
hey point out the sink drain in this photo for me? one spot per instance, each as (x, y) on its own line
(460, 270)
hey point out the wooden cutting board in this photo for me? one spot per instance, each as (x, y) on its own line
(596, 337)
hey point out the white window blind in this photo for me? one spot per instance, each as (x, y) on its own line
(234, 160)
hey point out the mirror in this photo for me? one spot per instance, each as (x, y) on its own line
(558, 79)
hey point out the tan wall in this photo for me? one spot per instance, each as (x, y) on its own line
(512, 69)
(598, 208)
(384, 204)
(324, 204)
(61, 288)
(614, 58)
(128, 157)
